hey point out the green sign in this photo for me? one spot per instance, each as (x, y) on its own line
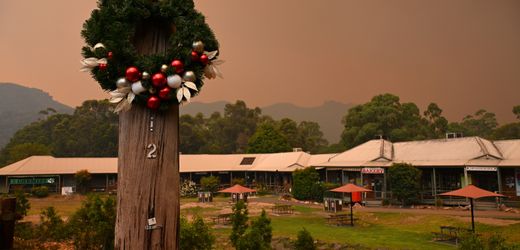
(31, 181)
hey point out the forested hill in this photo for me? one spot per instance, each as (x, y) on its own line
(328, 115)
(21, 105)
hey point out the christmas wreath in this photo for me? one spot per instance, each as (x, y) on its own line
(157, 79)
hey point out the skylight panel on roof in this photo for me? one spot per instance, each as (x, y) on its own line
(247, 161)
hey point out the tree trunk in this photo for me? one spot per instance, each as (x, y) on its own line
(7, 221)
(148, 166)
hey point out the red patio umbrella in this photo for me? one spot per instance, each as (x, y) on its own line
(350, 188)
(471, 192)
(237, 189)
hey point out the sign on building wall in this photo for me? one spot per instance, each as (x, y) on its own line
(372, 171)
(517, 182)
(31, 181)
(486, 169)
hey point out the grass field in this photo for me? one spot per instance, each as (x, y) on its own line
(389, 230)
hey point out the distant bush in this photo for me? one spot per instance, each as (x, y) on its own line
(195, 235)
(471, 241)
(92, 226)
(210, 183)
(307, 185)
(40, 192)
(304, 241)
(188, 189)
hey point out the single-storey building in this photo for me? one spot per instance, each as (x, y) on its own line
(446, 164)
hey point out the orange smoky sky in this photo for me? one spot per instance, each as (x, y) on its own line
(464, 55)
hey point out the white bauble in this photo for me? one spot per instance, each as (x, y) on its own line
(137, 87)
(174, 81)
(121, 83)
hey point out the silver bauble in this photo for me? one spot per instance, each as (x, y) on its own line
(146, 75)
(189, 76)
(121, 83)
(198, 47)
(174, 81)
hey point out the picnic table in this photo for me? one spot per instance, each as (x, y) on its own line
(450, 234)
(222, 219)
(340, 219)
(282, 209)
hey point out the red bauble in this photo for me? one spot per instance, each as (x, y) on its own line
(158, 80)
(110, 55)
(204, 59)
(195, 56)
(178, 66)
(132, 74)
(153, 102)
(164, 93)
(102, 66)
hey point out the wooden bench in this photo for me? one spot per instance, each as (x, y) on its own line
(223, 219)
(282, 209)
(450, 234)
(342, 219)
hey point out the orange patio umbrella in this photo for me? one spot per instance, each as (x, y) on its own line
(471, 192)
(350, 188)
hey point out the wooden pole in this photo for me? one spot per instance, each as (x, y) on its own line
(351, 211)
(148, 166)
(472, 215)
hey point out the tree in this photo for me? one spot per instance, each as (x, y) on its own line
(196, 235)
(258, 236)
(481, 123)
(24, 150)
(239, 219)
(304, 241)
(507, 131)
(22, 203)
(310, 137)
(289, 129)
(92, 226)
(193, 133)
(306, 185)
(210, 183)
(82, 178)
(404, 180)
(384, 116)
(438, 123)
(268, 139)
(51, 227)
(516, 111)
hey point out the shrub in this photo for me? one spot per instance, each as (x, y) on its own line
(304, 241)
(51, 227)
(439, 202)
(92, 226)
(239, 181)
(22, 203)
(40, 192)
(404, 180)
(82, 179)
(188, 189)
(195, 235)
(470, 241)
(306, 185)
(259, 235)
(239, 219)
(210, 183)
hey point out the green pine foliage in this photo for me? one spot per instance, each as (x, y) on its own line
(404, 180)
(304, 241)
(239, 219)
(258, 236)
(195, 235)
(22, 203)
(307, 185)
(51, 227)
